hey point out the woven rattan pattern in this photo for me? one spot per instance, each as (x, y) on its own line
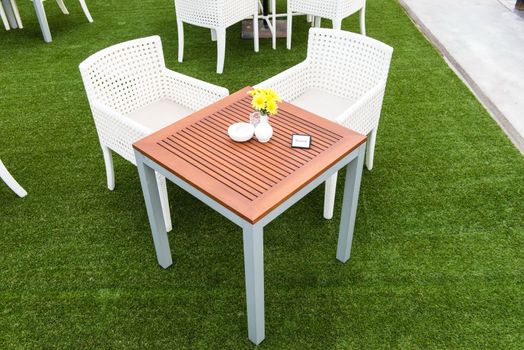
(214, 13)
(129, 76)
(331, 9)
(344, 64)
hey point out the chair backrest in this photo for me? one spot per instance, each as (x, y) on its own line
(346, 64)
(214, 13)
(125, 76)
(327, 8)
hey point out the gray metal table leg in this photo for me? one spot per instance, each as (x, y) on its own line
(254, 271)
(349, 205)
(148, 180)
(252, 233)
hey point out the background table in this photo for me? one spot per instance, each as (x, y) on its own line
(249, 183)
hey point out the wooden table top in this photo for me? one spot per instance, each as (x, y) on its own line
(249, 178)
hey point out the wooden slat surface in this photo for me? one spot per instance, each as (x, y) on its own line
(249, 178)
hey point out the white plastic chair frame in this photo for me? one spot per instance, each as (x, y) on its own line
(347, 65)
(335, 10)
(42, 19)
(11, 182)
(5, 22)
(126, 77)
(216, 15)
(15, 12)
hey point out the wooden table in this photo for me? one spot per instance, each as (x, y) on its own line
(249, 183)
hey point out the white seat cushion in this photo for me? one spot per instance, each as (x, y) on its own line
(322, 103)
(160, 114)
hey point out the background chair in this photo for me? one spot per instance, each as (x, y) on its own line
(216, 15)
(82, 4)
(10, 14)
(335, 10)
(5, 22)
(42, 19)
(10, 181)
(343, 79)
(132, 94)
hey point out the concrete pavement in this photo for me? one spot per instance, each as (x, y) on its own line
(484, 42)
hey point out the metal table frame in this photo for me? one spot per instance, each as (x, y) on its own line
(252, 233)
(270, 19)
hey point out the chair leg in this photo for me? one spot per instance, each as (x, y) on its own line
(110, 172)
(255, 32)
(180, 30)
(363, 20)
(289, 29)
(62, 6)
(17, 14)
(4, 17)
(164, 201)
(213, 35)
(86, 11)
(337, 24)
(221, 49)
(318, 21)
(329, 196)
(42, 19)
(274, 21)
(11, 182)
(370, 148)
(309, 18)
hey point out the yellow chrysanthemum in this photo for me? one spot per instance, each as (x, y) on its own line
(259, 101)
(264, 100)
(270, 99)
(272, 107)
(253, 92)
(272, 95)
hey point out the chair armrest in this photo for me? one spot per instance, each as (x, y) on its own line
(291, 83)
(191, 93)
(116, 131)
(363, 115)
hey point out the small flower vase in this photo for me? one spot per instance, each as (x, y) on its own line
(263, 130)
(254, 118)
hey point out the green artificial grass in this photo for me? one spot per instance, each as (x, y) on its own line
(438, 253)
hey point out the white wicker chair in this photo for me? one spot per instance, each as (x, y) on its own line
(216, 15)
(11, 182)
(343, 79)
(335, 10)
(132, 94)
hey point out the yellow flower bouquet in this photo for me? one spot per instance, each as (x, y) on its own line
(265, 101)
